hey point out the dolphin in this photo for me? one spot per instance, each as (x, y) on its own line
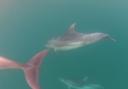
(73, 85)
(73, 39)
(31, 68)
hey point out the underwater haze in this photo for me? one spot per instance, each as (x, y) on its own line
(27, 25)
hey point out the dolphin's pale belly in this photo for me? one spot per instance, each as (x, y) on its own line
(70, 46)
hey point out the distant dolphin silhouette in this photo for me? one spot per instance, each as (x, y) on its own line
(72, 85)
(31, 69)
(73, 39)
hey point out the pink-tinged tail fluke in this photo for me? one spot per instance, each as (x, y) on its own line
(6, 63)
(31, 69)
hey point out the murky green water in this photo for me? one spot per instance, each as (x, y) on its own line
(26, 26)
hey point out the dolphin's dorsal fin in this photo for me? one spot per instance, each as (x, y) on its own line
(71, 34)
(72, 28)
(85, 78)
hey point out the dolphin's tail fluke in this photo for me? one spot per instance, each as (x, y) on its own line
(31, 69)
(6, 63)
